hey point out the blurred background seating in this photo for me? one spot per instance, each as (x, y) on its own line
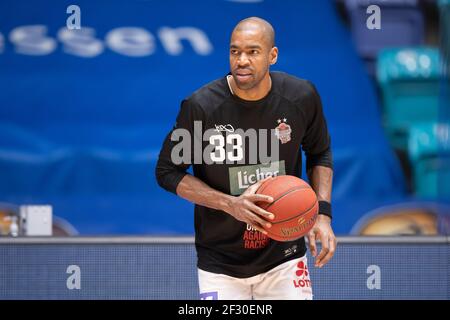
(409, 79)
(402, 25)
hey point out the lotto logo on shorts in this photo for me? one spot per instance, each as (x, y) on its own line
(303, 276)
(302, 269)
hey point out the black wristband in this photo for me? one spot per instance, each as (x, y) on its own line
(325, 208)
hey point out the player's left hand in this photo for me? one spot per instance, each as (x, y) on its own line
(322, 231)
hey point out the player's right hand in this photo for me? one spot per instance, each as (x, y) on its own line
(244, 208)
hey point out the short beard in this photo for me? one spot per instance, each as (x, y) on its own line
(246, 86)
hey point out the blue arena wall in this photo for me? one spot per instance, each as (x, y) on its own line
(149, 268)
(83, 115)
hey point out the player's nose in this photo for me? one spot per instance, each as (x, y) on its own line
(243, 60)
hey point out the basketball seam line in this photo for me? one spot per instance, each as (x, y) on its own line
(285, 194)
(261, 187)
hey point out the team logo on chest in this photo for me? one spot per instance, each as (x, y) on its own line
(283, 131)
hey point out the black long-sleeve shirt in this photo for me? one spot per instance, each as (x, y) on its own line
(236, 145)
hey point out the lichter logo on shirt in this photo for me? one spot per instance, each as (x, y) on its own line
(243, 177)
(253, 239)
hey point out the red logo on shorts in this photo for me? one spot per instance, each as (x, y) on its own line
(302, 269)
(303, 274)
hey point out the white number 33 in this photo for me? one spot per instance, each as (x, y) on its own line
(218, 155)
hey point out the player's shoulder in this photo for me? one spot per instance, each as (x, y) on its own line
(291, 87)
(210, 96)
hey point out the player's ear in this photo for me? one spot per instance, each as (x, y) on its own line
(273, 55)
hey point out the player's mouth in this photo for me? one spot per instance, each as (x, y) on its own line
(243, 76)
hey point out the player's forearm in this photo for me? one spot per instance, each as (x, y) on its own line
(321, 179)
(198, 192)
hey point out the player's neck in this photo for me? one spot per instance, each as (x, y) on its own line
(253, 94)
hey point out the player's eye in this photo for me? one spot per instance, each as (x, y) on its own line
(233, 51)
(254, 51)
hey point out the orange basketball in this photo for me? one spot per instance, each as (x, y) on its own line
(294, 206)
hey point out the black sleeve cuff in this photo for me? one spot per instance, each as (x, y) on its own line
(168, 177)
(324, 159)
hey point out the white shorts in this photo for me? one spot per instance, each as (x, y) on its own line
(288, 281)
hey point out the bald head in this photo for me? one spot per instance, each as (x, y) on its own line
(258, 26)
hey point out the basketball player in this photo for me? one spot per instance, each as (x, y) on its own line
(236, 260)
